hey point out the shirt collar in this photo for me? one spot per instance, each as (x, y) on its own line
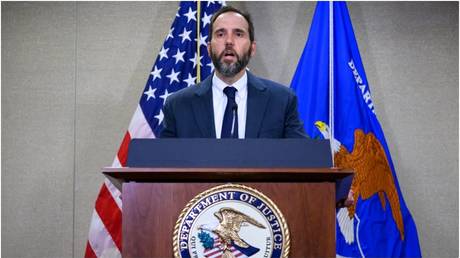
(241, 85)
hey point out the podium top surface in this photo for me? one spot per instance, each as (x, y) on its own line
(226, 174)
(341, 177)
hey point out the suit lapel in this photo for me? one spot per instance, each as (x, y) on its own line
(258, 96)
(203, 109)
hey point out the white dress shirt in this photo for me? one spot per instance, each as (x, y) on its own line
(219, 100)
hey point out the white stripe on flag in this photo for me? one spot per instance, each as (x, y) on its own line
(100, 240)
(138, 127)
(116, 194)
(116, 163)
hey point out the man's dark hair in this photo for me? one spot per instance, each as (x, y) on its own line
(227, 9)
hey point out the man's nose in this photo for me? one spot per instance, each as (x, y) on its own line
(229, 40)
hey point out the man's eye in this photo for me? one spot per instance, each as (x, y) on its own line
(239, 34)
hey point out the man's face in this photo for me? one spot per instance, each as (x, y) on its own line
(230, 47)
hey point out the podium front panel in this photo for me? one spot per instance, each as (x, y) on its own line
(151, 210)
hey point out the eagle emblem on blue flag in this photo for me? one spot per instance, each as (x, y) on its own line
(372, 173)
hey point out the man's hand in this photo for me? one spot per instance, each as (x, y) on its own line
(350, 200)
(344, 203)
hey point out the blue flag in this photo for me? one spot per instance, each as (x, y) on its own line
(379, 223)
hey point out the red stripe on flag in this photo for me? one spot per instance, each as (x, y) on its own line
(110, 215)
(89, 253)
(211, 252)
(123, 151)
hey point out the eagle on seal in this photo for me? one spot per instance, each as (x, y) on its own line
(372, 175)
(230, 222)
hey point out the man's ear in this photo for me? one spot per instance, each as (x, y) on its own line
(253, 48)
(209, 48)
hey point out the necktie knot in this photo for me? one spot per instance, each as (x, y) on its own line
(230, 92)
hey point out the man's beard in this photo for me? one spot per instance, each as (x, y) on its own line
(230, 70)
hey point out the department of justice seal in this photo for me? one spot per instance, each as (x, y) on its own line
(231, 221)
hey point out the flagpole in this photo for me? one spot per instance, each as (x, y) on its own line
(198, 44)
(331, 78)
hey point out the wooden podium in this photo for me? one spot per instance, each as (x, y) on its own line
(153, 198)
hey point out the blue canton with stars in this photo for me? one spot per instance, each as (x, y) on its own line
(176, 65)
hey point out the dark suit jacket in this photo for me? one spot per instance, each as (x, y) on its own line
(271, 111)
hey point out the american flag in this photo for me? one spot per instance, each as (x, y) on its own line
(175, 68)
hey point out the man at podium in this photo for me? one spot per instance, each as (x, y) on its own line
(232, 102)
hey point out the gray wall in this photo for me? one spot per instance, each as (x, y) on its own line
(72, 74)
